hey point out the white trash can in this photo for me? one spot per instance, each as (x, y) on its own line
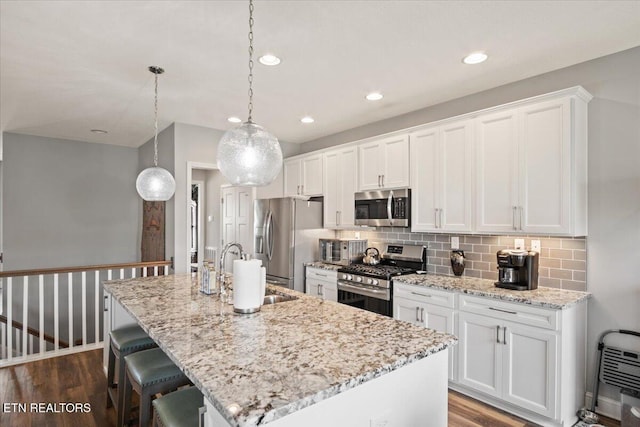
(630, 416)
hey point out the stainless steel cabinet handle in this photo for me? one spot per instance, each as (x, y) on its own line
(435, 217)
(498, 334)
(503, 311)
(319, 292)
(302, 189)
(521, 216)
(337, 221)
(383, 180)
(440, 218)
(417, 311)
(515, 227)
(422, 315)
(504, 335)
(321, 275)
(339, 217)
(106, 299)
(422, 295)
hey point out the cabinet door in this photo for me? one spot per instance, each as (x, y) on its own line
(545, 168)
(455, 173)
(330, 291)
(312, 287)
(479, 354)
(292, 177)
(530, 365)
(311, 181)
(369, 169)
(409, 311)
(442, 320)
(395, 152)
(331, 189)
(424, 178)
(347, 171)
(496, 172)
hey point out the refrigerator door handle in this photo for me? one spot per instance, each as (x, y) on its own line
(268, 231)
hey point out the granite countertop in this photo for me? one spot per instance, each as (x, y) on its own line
(323, 265)
(542, 297)
(260, 367)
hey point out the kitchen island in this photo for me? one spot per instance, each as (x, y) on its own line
(301, 362)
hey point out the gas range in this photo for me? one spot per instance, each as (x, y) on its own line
(370, 286)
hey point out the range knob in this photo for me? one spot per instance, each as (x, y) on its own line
(369, 281)
(358, 279)
(349, 277)
(374, 282)
(344, 275)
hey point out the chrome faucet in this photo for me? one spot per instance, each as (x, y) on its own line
(220, 276)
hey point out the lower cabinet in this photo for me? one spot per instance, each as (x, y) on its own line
(509, 361)
(322, 283)
(428, 308)
(524, 359)
(114, 316)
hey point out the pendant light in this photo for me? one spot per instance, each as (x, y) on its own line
(249, 155)
(155, 184)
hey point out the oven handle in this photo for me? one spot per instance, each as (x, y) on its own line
(389, 203)
(373, 293)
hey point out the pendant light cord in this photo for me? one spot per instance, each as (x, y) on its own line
(155, 110)
(250, 60)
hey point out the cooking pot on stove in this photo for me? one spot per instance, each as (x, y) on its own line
(369, 258)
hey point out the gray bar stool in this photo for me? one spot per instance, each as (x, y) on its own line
(148, 372)
(178, 409)
(123, 341)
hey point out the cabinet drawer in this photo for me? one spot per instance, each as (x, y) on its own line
(527, 315)
(321, 274)
(425, 295)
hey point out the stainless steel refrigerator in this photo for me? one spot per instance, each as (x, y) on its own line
(286, 233)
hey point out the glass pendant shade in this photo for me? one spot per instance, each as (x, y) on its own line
(249, 155)
(155, 184)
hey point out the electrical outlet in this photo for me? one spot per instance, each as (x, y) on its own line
(357, 233)
(518, 243)
(455, 242)
(381, 421)
(535, 245)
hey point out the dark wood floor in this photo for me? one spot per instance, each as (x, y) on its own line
(79, 378)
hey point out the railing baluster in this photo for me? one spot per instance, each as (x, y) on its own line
(98, 309)
(42, 347)
(155, 270)
(144, 272)
(56, 319)
(133, 272)
(121, 273)
(84, 308)
(109, 274)
(17, 332)
(25, 312)
(3, 341)
(70, 307)
(9, 319)
(30, 344)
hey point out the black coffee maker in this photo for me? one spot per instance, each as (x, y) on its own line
(517, 269)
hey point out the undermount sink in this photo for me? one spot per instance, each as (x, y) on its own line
(275, 298)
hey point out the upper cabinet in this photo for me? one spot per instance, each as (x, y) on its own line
(339, 187)
(384, 163)
(303, 176)
(531, 172)
(441, 176)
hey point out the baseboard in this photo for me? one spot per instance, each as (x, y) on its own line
(606, 406)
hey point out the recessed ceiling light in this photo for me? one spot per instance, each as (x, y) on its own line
(475, 58)
(374, 96)
(307, 119)
(269, 59)
(100, 131)
(234, 119)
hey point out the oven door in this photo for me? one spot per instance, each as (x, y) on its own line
(370, 298)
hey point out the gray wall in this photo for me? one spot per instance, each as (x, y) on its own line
(68, 203)
(613, 244)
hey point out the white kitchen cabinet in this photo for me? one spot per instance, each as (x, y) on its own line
(340, 168)
(303, 176)
(114, 317)
(384, 163)
(322, 283)
(504, 358)
(429, 308)
(531, 167)
(442, 168)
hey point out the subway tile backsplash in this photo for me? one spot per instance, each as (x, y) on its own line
(562, 259)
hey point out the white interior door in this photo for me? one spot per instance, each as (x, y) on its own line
(237, 219)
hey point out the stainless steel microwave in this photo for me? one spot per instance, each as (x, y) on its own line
(383, 208)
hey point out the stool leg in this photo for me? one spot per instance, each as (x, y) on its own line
(145, 408)
(122, 380)
(125, 404)
(111, 366)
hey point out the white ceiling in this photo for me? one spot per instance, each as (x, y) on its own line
(71, 66)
